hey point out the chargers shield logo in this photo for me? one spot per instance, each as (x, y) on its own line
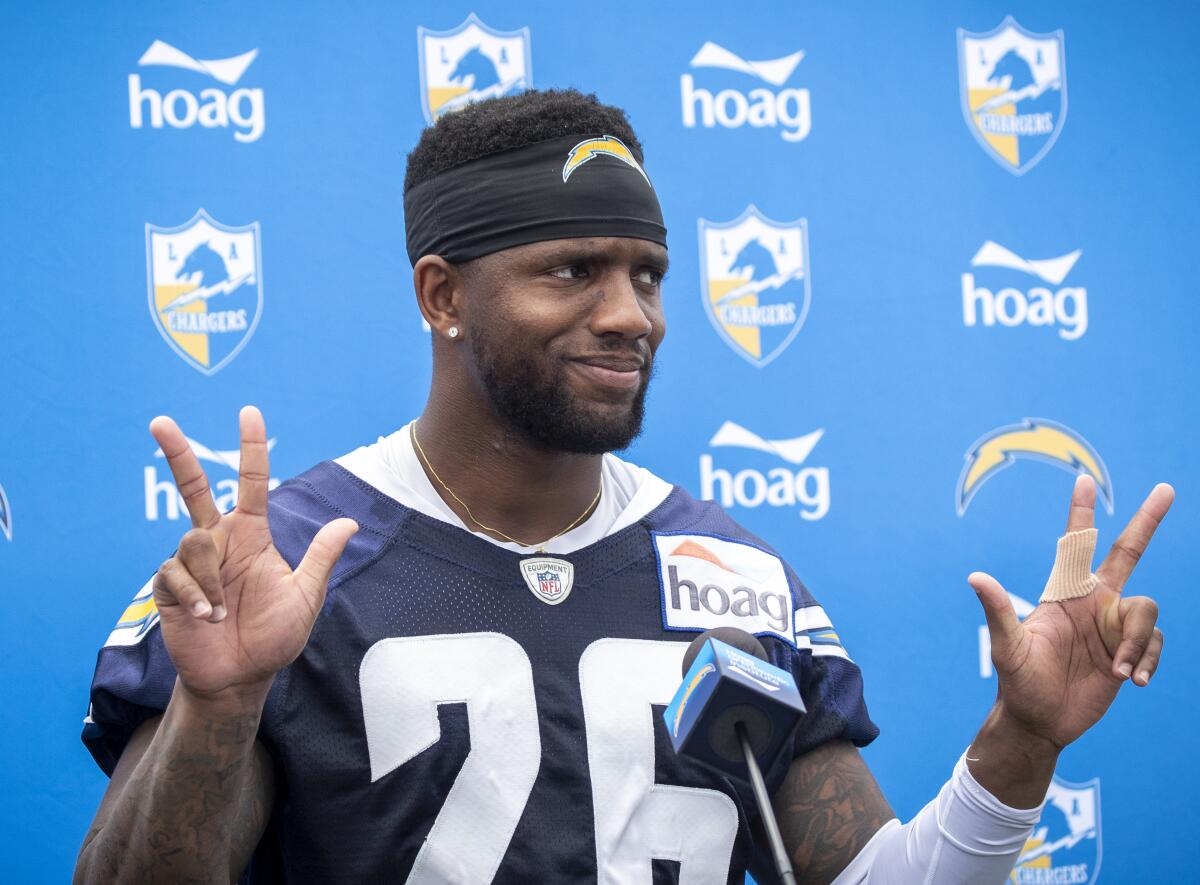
(1013, 84)
(1065, 845)
(205, 288)
(754, 281)
(470, 63)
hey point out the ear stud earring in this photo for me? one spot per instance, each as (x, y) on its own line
(452, 331)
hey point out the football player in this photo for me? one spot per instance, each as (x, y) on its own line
(438, 658)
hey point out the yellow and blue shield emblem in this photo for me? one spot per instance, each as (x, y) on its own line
(205, 288)
(470, 63)
(1013, 84)
(1065, 845)
(754, 281)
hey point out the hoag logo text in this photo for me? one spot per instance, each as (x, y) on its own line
(787, 109)
(210, 107)
(792, 486)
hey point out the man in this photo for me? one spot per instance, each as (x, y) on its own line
(436, 659)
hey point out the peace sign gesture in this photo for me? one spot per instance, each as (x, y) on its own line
(1061, 668)
(233, 613)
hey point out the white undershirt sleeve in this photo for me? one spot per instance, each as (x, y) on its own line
(966, 836)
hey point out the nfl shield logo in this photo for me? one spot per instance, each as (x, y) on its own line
(548, 579)
(470, 63)
(1013, 84)
(205, 288)
(1065, 845)
(754, 281)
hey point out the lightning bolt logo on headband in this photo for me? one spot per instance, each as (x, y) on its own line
(1034, 439)
(607, 146)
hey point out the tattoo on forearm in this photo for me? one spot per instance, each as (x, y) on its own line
(828, 809)
(193, 801)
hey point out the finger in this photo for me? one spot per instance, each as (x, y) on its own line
(254, 465)
(1138, 614)
(174, 586)
(198, 554)
(186, 469)
(1148, 665)
(313, 572)
(1131, 544)
(1003, 625)
(1082, 512)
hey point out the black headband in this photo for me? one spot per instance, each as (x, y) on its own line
(579, 186)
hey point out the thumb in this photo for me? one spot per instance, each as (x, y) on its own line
(1003, 625)
(312, 574)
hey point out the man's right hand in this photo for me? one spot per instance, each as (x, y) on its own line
(232, 612)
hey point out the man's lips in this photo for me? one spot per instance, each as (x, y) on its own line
(612, 371)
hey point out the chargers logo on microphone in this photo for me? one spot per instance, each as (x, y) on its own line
(608, 146)
(687, 693)
(754, 282)
(709, 582)
(205, 288)
(470, 63)
(1034, 439)
(1065, 845)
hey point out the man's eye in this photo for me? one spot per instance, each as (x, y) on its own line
(649, 277)
(570, 272)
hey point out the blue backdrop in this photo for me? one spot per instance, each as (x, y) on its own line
(914, 291)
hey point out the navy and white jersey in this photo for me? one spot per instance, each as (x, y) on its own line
(463, 715)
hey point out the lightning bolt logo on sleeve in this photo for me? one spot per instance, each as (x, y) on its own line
(607, 146)
(1035, 439)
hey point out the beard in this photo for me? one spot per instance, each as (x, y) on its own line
(538, 403)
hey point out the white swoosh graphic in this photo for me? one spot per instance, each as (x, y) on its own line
(794, 451)
(1051, 270)
(1022, 607)
(224, 70)
(231, 458)
(775, 71)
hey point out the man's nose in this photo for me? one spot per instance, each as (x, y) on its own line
(620, 308)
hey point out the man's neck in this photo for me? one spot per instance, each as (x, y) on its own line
(499, 481)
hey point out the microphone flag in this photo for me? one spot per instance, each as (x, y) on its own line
(725, 686)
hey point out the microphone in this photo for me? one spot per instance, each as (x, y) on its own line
(733, 711)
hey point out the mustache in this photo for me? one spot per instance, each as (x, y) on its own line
(635, 350)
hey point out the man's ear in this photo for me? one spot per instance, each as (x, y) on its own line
(440, 295)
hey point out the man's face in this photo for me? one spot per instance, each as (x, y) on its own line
(563, 335)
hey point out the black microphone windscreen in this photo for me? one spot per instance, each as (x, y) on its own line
(739, 639)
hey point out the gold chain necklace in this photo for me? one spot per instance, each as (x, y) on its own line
(487, 528)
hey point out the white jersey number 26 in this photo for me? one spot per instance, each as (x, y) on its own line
(403, 680)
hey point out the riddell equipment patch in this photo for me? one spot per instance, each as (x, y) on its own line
(709, 582)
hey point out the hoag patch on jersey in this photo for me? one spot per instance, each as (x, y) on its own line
(707, 581)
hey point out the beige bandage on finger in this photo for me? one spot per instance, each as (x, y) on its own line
(1072, 575)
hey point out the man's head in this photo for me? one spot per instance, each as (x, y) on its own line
(536, 234)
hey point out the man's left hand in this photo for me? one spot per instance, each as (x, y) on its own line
(1061, 668)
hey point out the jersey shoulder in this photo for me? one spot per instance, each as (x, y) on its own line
(681, 514)
(713, 572)
(303, 504)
